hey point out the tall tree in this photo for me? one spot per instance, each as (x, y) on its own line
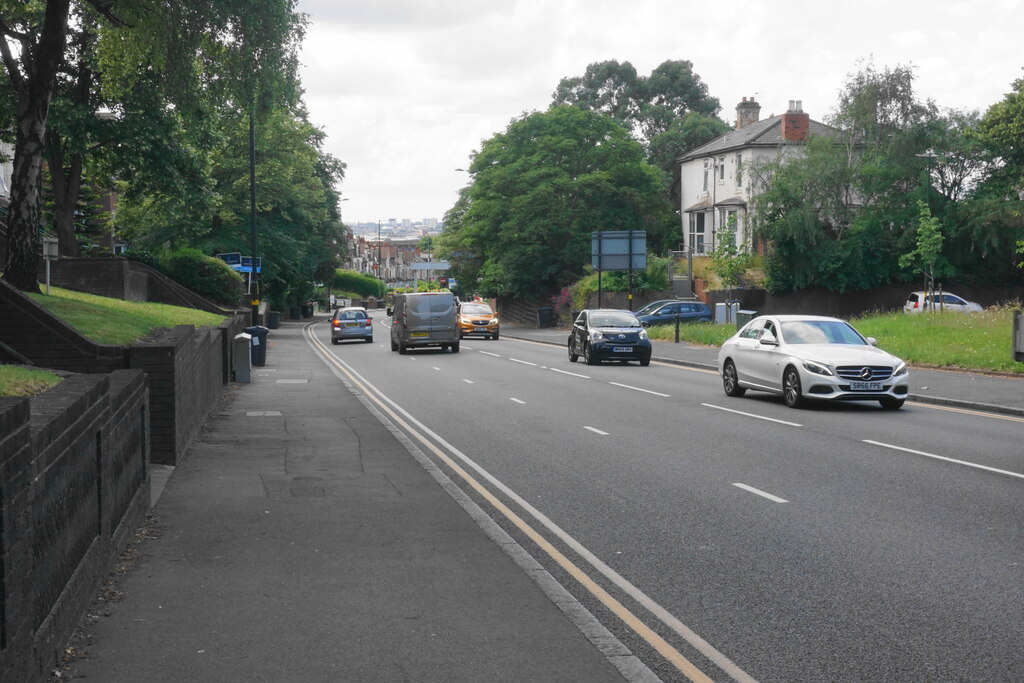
(187, 51)
(669, 112)
(539, 189)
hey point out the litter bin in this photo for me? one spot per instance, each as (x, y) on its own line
(274, 320)
(294, 312)
(259, 344)
(241, 356)
(744, 317)
(307, 311)
(545, 316)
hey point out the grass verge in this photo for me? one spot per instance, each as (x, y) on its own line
(976, 341)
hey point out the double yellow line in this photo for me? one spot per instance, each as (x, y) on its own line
(686, 667)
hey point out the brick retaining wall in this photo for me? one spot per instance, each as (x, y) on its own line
(74, 486)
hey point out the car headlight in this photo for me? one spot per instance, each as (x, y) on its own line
(494, 321)
(643, 334)
(596, 335)
(901, 369)
(818, 368)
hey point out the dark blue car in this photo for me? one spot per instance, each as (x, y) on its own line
(688, 312)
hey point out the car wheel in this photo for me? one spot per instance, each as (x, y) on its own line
(891, 403)
(394, 345)
(644, 362)
(588, 355)
(455, 347)
(573, 357)
(495, 336)
(369, 340)
(402, 348)
(731, 380)
(334, 341)
(792, 392)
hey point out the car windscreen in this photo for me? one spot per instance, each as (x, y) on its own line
(613, 320)
(820, 332)
(476, 309)
(352, 315)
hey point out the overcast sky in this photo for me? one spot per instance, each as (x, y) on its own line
(406, 90)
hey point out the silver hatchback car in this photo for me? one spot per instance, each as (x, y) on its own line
(351, 323)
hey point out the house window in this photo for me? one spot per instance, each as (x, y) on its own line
(697, 234)
(707, 169)
(721, 168)
(739, 170)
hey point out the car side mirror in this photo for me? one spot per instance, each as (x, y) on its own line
(390, 310)
(768, 339)
(872, 341)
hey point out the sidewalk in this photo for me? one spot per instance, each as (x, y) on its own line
(973, 391)
(302, 540)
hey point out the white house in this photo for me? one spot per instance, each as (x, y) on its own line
(714, 187)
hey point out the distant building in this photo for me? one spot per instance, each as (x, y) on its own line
(715, 183)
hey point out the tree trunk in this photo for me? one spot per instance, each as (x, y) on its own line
(26, 182)
(66, 188)
(34, 87)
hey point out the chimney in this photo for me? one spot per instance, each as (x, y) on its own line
(747, 112)
(795, 123)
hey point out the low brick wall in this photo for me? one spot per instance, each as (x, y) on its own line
(186, 371)
(186, 367)
(74, 485)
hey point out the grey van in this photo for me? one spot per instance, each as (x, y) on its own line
(424, 319)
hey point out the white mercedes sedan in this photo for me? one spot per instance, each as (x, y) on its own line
(805, 357)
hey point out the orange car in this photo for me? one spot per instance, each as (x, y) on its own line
(477, 318)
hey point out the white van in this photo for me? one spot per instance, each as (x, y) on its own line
(424, 319)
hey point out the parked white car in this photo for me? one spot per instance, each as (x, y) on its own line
(805, 357)
(946, 301)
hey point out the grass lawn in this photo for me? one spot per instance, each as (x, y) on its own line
(22, 381)
(104, 321)
(113, 321)
(976, 341)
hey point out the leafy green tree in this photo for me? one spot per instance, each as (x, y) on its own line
(669, 112)
(926, 257)
(838, 217)
(730, 261)
(522, 228)
(188, 53)
(993, 215)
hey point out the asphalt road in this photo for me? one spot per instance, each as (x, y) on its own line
(756, 542)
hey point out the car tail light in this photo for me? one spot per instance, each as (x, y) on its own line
(916, 304)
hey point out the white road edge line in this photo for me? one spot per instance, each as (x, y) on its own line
(646, 391)
(516, 400)
(759, 417)
(761, 493)
(942, 457)
(566, 372)
(524, 362)
(596, 430)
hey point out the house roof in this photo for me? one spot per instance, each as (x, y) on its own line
(764, 133)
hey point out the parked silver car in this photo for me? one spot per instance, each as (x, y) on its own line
(806, 357)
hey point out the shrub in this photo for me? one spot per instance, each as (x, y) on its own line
(206, 275)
